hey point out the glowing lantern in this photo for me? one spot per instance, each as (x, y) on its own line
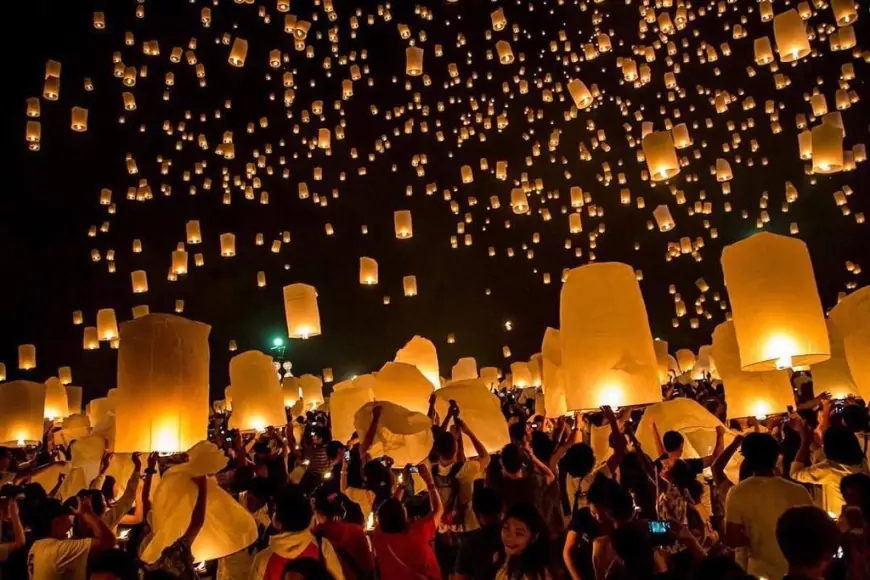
(311, 388)
(421, 353)
(402, 384)
(844, 11)
(74, 399)
(139, 280)
(805, 144)
(228, 245)
(413, 61)
(261, 279)
(522, 377)
(301, 311)
(26, 357)
(852, 319)
(581, 95)
(480, 410)
(56, 403)
(575, 225)
(257, 398)
(827, 148)
(162, 394)
(505, 53)
(239, 52)
(90, 339)
(107, 324)
(664, 220)
(778, 316)
(409, 285)
(552, 375)
(519, 201)
(348, 398)
(723, 170)
(21, 413)
(607, 347)
(140, 311)
(467, 174)
(791, 36)
(749, 394)
(763, 51)
(661, 156)
(368, 271)
(465, 369)
(194, 235)
(402, 434)
(402, 224)
(498, 20)
(833, 375)
(79, 122)
(685, 360)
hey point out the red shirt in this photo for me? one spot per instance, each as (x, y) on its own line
(408, 555)
(350, 541)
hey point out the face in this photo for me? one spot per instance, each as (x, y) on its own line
(60, 526)
(852, 496)
(600, 514)
(516, 536)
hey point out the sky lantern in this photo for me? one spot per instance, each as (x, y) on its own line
(413, 61)
(26, 357)
(348, 398)
(139, 278)
(522, 377)
(505, 53)
(239, 52)
(498, 20)
(580, 94)
(402, 224)
(228, 245)
(64, 374)
(290, 391)
(844, 11)
(664, 219)
(301, 311)
(480, 410)
(179, 262)
(852, 319)
(685, 360)
(834, 375)
(791, 36)
(409, 286)
(257, 398)
(778, 318)
(465, 369)
(2, 372)
(79, 121)
(607, 347)
(141, 310)
(421, 353)
(162, 394)
(21, 413)
(90, 338)
(107, 324)
(403, 384)
(661, 156)
(552, 375)
(311, 388)
(402, 434)
(194, 234)
(748, 394)
(56, 402)
(368, 271)
(827, 148)
(74, 399)
(763, 51)
(664, 361)
(519, 201)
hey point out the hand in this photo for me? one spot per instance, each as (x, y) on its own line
(738, 439)
(608, 413)
(137, 462)
(152, 459)
(432, 398)
(104, 462)
(425, 475)
(82, 505)
(720, 431)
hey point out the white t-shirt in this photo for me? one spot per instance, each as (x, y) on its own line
(757, 503)
(468, 473)
(51, 559)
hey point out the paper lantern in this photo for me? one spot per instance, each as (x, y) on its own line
(763, 51)
(681, 136)
(56, 404)
(90, 339)
(2, 372)
(723, 170)
(403, 385)
(194, 235)
(107, 325)
(827, 148)
(79, 122)
(344, 404)
(179, 262)
(413, 61)
(791, 36)
(580, 94)
(852, 319)
(480, 410)
(21, 413)
(777, 312)
(228, 245)
(522, 377)
(498, 20)
(139, 278)
(402, 224)
(403, 435)
(101, 411)
(311, 388)
(663, 360)
(465, 369)
(664, 219)
(575, 223)
(300, 311)
(140, 311)
(844, 11)
(519, 201)
(505, 53)
(368, 271)
(607, 347)
(421, 353)
(685, 360)
(78, 317)
(833, 375)
(748, 394)
(257, 398)
(74, 399)
(661, 156)
(489, 376)
(552, 374)
(290, 391)
(162, 395)
(327, 375)
(26, 357)
(239, 52)
(409, 285)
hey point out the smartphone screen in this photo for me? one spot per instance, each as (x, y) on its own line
(659, 527)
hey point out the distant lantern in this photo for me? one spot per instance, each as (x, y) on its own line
(581, 95)
(56, 403)
(228, 245)
(139, 278)
(663, 217)
(140, 311)
(311, 388)
(74, 399)
(290, 391)
(368, 271)
(301, 311)
(194, 235)
(239, 52)
(575, 225)
(2, 372)
(90, 338)
(844, 12)
(413, 61)
(681, 136)
(519, 201)
(763, 51)
(749, 394)
(107, 324)
(402, 224)
(99, 20)
(498, 20)
(409, 285)
(467, 174)
(163, 389)
(26, 357)
(607, 348)
(723, 170)
(22, 405)
(778, 317)
(79, 121)
(179, 262)
(421, 353)
(661, 156)
(791, 36)
(805, 145)
(261, 279)
(827, 148)
(505, 53)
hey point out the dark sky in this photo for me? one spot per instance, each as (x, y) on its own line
(50, 198)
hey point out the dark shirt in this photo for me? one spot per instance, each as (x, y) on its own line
(478, 553)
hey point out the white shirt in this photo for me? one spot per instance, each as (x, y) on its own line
(51, 559)
(756, 504)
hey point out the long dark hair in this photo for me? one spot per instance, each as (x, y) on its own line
(535, 560)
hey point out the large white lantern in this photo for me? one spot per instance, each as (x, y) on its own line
(661, 156)
(257, 398)
(479, 409)
(311, 388)
(301, 312)
(56, 403)
(552, 374)
(348, 398)
(21, 413)
(404, 385)
(852, 319)
(421, 353)
(465, 369)
(834, 376)
(403, 435)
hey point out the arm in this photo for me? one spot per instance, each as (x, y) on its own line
(138, 514)
(343, 480)
(570, 541)
(688, 540)
(645, 462)
(617, 439)
(434, 496)
(432, 413)
(717, 449)
(482, 453)
(18, 539)
(102, 536)
(802, 459)
(60, 479)
(197, 518)
(825, 419)
(370, 434)
(539, 465)
(722, 459)
(146, 488)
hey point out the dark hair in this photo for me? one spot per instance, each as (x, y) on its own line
(512, 458)
(760, 452)
(606, 493)
(517, 431)
(579, 460)
(320, 431)
(333, 448)
(807, 536)
(684, 478)
(260, 488)
(840, 445)
(720, 568)
(44, 513)
(445, 445)
(855, 418)
(293, 511)
(377, 479)
(542, 445)
(391, 517)
(117, 562)
(108, 487)
(672, 440)
(635, 550)
(328, 503)
(486, 502)
(535, 558)
(307, 568)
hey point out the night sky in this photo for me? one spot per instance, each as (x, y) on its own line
(50, 198)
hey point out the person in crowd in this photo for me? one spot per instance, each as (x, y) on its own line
(756, 503)
(255, 499)
(176, 560)
(403, 548)
(10, 518)
(294, 540)
(6, 474)
(114, 564)
(809, 540)
(672, 445)
(525, 548)
(314, 450)
(348, 539)
(479, 549)
(520, 477)
(611, 506)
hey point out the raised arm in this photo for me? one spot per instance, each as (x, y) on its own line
(431, 412)
(721, 460)
(369, 438)
(549, 477)
(102, 536)
(197, 518)
(717, 448)
(616, 438)
(482, 453)
(434, 496)
(146, 488)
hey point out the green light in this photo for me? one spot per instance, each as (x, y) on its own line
(278, 341)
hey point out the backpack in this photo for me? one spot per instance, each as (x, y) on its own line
(447, 486)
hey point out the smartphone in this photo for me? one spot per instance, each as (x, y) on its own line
(414, 469)
(347, 455)
(660, 533)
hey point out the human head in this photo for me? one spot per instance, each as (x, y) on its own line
(512, 460)
(52, 520)
(579, 460)
(445, 447)
(682, 476)
(319, 434)
(855, 418)
(840, 445)
(517, 431)
(377, 476)
(487, 505)
(856, 490)
(292, 512)
(608, 501)
(259, 490)
(327, 505)
(392, 517)
(523, 531)
(760, 452)
(673, 442)
(114, 564)
(809, 539)
(334, 450)
(542, 445)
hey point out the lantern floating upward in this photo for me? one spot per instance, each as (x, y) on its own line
(404, 385)
(22, 406)
(301, 311)
(664, 219)
(421, 353)
(258, 401)
(56, 403)
(348, 398)
(90, 338)
(465, 369)
(2, 372)
(413, 61)
(163, 389)
(139, 278)
(580, 94)
(827, 148)
(107, 324)
(778, 318)
(26, 357)
(791, 36)
(481, 411)
(661, 156)
(74, 399)
(311, 388)
(239, 52)
(368, 271)
(607, 347)
(852, 319)
(834, 375)
(409, 286)
(552, 375)
(194, 235)
(228, 245)
(402, 224)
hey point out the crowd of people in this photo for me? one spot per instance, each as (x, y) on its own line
(543, 507)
